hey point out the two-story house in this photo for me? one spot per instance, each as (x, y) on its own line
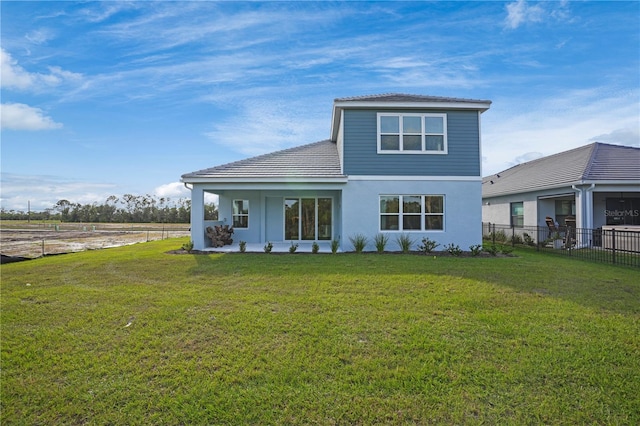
(394, 164)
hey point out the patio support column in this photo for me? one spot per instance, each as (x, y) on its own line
(197, 217)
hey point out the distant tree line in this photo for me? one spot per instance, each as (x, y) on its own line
(127, 209)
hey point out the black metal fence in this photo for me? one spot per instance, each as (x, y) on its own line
(620, 247)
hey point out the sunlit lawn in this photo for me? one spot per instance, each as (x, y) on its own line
(136, 336)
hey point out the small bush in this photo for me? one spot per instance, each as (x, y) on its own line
(475, 249)
(499, 236)
(491, 249)
(517, 239)
(381, 241)
(359, 242)
(335, 245)
(243, 246)
(427, 245)
(405, 242)
(315, 248)
(268, 247)
(453, 249)
(186, 246)
(506, 250)
(293, 247)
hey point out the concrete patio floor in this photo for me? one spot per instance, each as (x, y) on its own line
(279, 247)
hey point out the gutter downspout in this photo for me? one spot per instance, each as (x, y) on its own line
(586, 210)
(589, 204)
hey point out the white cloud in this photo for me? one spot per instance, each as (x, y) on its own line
(24, 117)
(269, 126)
(42, 192)
(39, 36)
(13, 75)
(520, 12)
(172, 190)
(628, 136)
(16, 77)
(511, 134)
(177, 190)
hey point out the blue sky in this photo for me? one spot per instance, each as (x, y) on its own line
(110, 98)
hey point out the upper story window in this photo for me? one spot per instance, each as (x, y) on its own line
(412, 133)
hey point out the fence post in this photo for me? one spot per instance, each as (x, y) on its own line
(493, 233)
(613, 245)
(43, 247)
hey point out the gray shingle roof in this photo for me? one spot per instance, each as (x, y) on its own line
(315, 160)
(586, 164)
(401, 97)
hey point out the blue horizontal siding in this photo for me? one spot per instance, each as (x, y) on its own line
(361, 157)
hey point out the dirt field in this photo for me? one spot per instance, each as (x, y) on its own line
(40, 240)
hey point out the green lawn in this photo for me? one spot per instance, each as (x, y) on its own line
(132, 335)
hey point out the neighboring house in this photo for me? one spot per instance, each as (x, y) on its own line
(394, 164)
(598, 184)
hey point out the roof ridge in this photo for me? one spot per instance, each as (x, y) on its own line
(592, 159)
(431, 98)
(543, 158)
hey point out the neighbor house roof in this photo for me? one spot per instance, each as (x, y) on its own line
(315, 161)
(402, 101)
(591, 163)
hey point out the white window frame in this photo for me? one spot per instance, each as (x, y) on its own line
(423, 133)
(423, 213)
(316, 230)
(234, 215)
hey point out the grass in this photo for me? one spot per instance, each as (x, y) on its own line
(132, 335)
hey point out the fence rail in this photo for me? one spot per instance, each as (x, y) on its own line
(613, 246)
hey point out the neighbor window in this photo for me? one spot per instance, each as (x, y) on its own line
(240, 213)
(411, 212)
(517, 214)
(412, 133)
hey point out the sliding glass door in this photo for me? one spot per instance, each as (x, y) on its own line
(307, 219)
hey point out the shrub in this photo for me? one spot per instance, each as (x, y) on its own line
(359, 242)
(453, 249)
(499, 236)
(381, 241)
(506, 250)
(243, 246)
(335, 245)
(315, 248)
(427, 245)
(268, 247)
(491, 249)
(517, 239)
(293, 247)
(405, 242)
(186, 246)
(475, 249)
